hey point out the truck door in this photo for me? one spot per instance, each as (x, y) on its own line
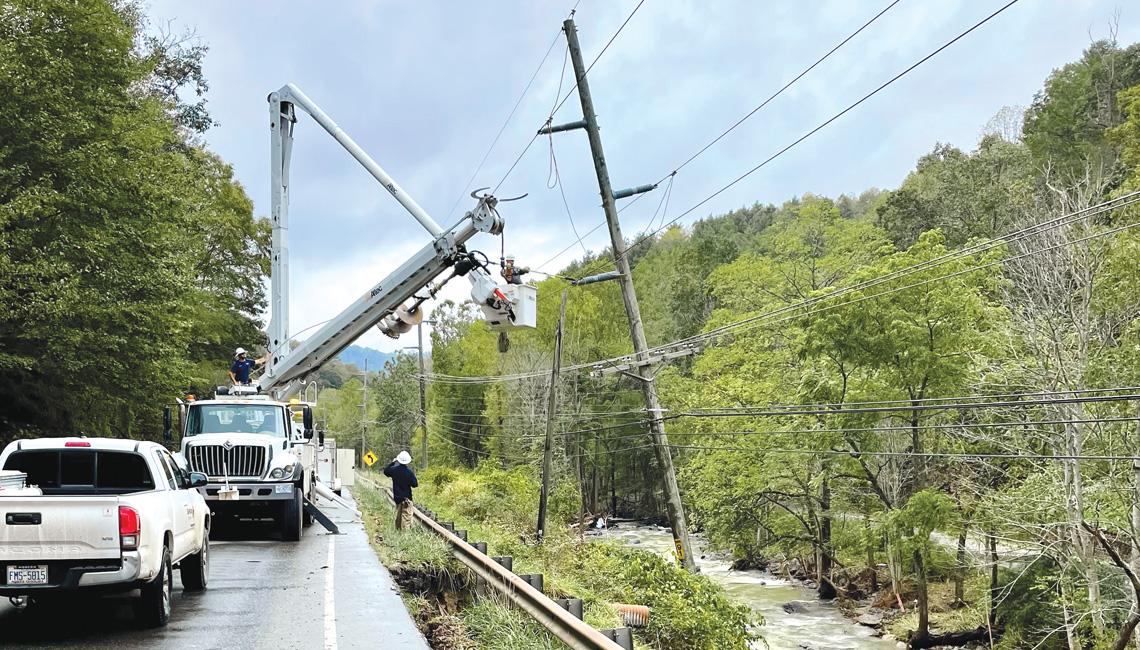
(183, 525)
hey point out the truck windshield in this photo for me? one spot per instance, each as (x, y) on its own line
(235, 418)
(83, 471)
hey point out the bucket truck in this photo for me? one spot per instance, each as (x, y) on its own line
(254, 445)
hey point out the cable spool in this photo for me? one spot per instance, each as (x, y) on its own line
(401, 321)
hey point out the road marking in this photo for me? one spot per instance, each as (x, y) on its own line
(330, 605)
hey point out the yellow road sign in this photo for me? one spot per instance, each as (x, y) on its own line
(370, 459)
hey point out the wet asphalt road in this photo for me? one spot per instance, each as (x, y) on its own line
(262, 593)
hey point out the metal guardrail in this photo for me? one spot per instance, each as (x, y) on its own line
(557, 620)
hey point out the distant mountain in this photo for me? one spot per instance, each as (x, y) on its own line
(357, 354)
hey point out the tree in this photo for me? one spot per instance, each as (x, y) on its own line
(964, 195)
(114, 223)
(1066, 124)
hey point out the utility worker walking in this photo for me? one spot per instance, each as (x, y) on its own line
(403, 480)
(241, 367)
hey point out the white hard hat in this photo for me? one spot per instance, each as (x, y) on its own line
(404, 458)
(239, 351)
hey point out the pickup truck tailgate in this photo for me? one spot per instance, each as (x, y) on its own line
(59, 528)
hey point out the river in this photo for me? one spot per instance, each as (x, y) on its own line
(813, 624)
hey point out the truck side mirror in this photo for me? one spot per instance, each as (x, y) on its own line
(307, 419)
(321, 437)
(167, 426)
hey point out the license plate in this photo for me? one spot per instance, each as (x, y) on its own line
(284, 489)
(28, 575)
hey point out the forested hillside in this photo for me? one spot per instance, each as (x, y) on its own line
(964, 349)
(926, 395)
(130, 262)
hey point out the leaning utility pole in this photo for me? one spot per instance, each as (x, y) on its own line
(423, 398)
(551, 411)
(673, 504)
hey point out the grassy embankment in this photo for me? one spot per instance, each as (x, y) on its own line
(497, 506)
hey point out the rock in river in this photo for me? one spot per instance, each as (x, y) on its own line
(795, 607)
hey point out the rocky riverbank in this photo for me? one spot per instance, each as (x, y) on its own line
(867, 598)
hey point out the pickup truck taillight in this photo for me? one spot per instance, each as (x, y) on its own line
(129, 527)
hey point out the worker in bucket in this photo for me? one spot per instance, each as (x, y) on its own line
(403, 480)
(242, 366)
(511, 272)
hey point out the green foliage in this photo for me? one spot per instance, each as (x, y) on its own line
(965, 195)
(412, 547)
(1126, 135)
(925, 512)
(497, 626)
(499, 506)
(130, 259)
(688, 610)
(1066, 125)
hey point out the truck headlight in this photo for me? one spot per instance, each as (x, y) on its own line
(281, 473)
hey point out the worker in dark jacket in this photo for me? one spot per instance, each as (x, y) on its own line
(403, 480)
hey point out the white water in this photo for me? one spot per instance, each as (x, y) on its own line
(815, 625)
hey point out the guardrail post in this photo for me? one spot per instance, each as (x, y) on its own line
(505, 561)
(572, 605)
(480, 546)
(461, 534)
(449, 525)
(623, 636)
(533, 579)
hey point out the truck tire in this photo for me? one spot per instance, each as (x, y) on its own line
(291, 515)
(195, 569)
(152, 609)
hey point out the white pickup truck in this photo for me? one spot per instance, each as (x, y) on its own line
(101, 515)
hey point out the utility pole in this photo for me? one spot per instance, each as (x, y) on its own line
(364, 415)
(673, 504)
(423, 398)
(551, 411)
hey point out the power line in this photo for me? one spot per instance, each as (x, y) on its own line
(927, 400)
(947, 276)
(912, 454)
(559, 105)
(562, 193)
(606, 47)
(773, 96)
(823, 125)
(740, 121)
(793, 311)
(956, 406)
(507, 121)
(875, 429)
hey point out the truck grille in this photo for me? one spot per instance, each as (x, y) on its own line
(215, 461)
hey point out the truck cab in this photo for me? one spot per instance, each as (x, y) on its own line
(258, 458)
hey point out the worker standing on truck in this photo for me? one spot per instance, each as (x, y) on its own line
(242, 366)
(403, 480)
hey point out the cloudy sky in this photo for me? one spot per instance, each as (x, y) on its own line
(425, 86)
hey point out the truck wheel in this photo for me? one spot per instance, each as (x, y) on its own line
(153, 606)
(195, 569)
(291, 515)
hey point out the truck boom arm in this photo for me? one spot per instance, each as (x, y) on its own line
(287, 369)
